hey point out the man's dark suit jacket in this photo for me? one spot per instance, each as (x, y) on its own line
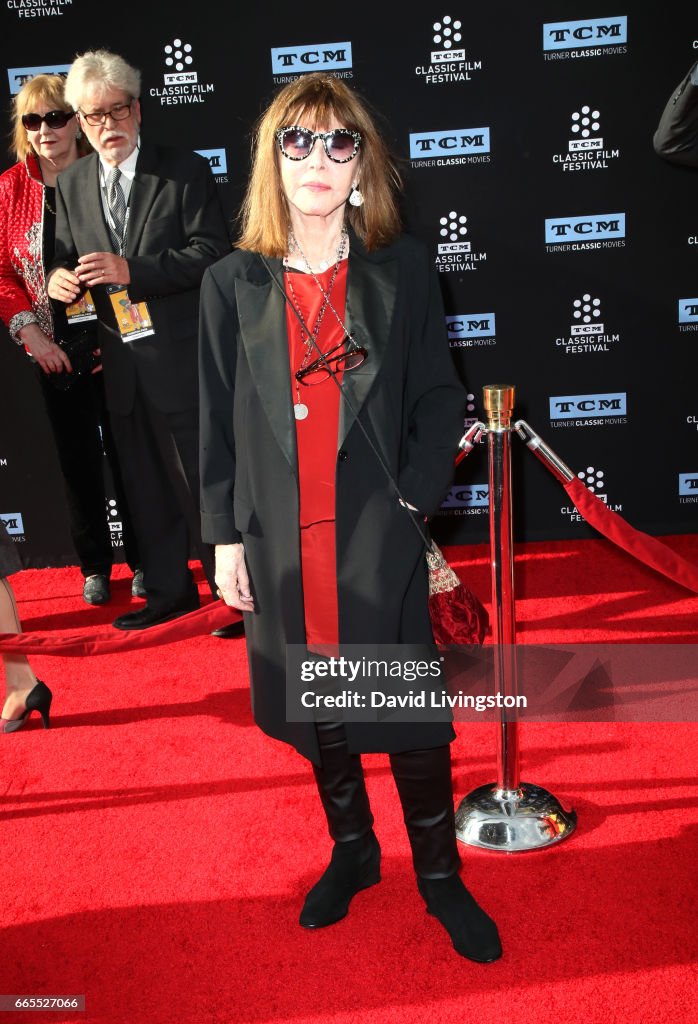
(175, 230)
(676, 137)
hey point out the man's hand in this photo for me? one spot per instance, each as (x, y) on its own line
(50, 356)
(63, 285)
(231, 577)
(102, 268)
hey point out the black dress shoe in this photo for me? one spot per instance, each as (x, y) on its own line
(153, 616)
(96, 589)
(230, 632)
(473, 933)
(354, 866)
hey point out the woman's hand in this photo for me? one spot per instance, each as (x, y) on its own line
(231, 577)
(50, 356)
(63, 285)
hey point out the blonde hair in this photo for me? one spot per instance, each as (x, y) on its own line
(48, 89)
(315, 100)
(103, 70)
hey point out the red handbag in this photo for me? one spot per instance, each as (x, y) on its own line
(457, 616)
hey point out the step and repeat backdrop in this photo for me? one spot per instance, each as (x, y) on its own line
(566, 249)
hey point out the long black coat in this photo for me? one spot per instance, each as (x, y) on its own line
(411, 403)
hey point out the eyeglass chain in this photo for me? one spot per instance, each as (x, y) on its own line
(300, 409)
(294, 244)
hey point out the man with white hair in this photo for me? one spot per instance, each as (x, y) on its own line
(137, 225)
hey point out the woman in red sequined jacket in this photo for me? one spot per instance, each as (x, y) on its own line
(43, 150)
(23, 298)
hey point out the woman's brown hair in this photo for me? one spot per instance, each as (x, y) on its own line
(315, 100)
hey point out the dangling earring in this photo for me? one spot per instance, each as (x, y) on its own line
(355, 197)
(78, 134)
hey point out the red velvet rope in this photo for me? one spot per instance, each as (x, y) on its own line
(112, 641)
(640, 545)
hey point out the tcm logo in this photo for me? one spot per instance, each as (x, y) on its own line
(688, 483)
(470, 325)
(113, 518)
(178, 56)
(447, 37)
(20, 76)
(688, 311)
(565, 407)
(578, 35)
(314, 57)
(454, 142)
(592, 226)
(593, 479)
(586, 312)
(216, 159)
(585, 123)
(13, 523)
(453, 228)
(471, 410)
(471, 496)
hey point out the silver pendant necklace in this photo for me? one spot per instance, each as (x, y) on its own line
(300, 409)
(293, 243)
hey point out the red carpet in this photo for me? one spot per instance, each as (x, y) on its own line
(157, 846)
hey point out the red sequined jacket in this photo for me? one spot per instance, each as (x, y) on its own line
(23, 297)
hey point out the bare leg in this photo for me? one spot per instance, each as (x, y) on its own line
(19, 676)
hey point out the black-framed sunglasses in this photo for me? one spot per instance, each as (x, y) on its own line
(54, 119)
(119, 112)
(296, 143)
(319, 370)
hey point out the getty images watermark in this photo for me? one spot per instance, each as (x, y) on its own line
(385, 678)
(557, 682)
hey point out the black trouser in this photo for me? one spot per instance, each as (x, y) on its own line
(423, 780)
(159, 459)
(83, 436)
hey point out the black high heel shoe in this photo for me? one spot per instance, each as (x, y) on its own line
(38, 699)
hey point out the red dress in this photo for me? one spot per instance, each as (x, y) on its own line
(316, 437)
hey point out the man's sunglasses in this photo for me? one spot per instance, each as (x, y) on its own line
(296, 143)
(54, 119)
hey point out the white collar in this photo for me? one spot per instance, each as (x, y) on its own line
(127, 166)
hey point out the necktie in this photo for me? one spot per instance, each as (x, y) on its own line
(117, 208)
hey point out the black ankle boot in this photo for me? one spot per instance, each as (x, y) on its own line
(473, 933)
(353, 866)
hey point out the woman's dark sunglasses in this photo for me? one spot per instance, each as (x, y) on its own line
(296, 143)
(319, 370)
(54, 119)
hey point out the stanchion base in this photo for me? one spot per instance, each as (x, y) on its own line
(512, 820)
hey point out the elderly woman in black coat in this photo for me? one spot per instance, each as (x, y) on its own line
(315, 494)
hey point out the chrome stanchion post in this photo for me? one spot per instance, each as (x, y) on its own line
(499, 404)
(508, 815)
